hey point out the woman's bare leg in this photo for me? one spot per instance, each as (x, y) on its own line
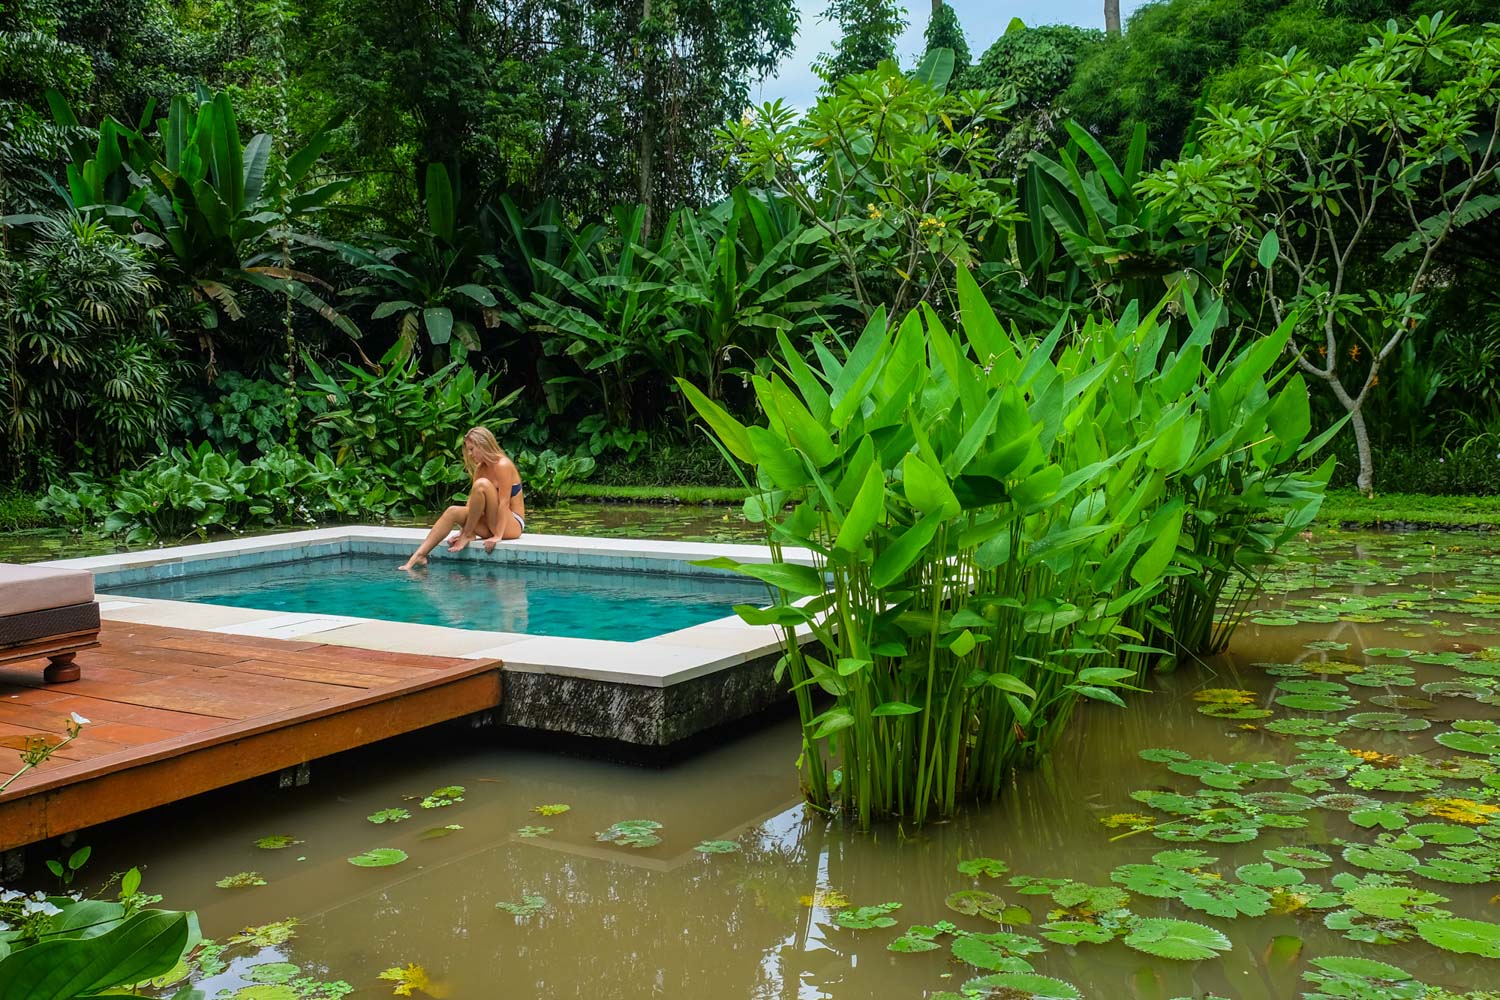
(453, 517)
(477, 517)
(508, 529)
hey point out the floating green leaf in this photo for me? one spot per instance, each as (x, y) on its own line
(554, 809)
(717, 847)
(272, 972)
(389, 816)
(1021, 986)
(1179, 940)
(531, 832)
(1379, 859)
(637, 833)
(1463, 936)
(976, 903)
(446, 796)
(983, 866)
(867, 917)
(276, 842)
(1072, 932)
(241, 880)
(378, 857)
(528, 906)
(1361, 979)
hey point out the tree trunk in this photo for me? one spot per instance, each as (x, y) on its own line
(648, 129)
(1365, 482)
(1112, 17)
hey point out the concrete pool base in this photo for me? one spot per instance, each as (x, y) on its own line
(653, 692)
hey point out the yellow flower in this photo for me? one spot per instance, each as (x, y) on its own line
(1459, 810)
(1377, 758)
(875, 212)
(827, 899)
(1225, 696)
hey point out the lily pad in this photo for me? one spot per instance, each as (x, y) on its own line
(1073, 932)
(378, 857)
(867, 917)
(637, 833)
(1462, 936)
(388, 816)
(272, 972)
(1362, 979)
(529, 905)
(717, 847)
(1298, 857)
(1179, 940)
(988, 867)
(532, 832)
(276, 842)
(241, 880)
(1316, 702)
(1306, 727)
(1379, 859)
(1388, 722)
(1021, 986)
(976, 903)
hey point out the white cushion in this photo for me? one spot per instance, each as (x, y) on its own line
(38, 588)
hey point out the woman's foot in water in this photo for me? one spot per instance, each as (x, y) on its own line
(414, 563)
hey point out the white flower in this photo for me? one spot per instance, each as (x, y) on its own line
(9, 895)
(79, 719)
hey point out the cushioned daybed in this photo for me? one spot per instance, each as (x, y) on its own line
(45, 611)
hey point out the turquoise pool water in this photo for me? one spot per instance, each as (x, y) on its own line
(492, 596)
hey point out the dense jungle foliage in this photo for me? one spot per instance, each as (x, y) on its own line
(244, 236)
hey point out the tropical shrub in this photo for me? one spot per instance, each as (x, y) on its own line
(239, 414)
(88, 369)
(997, 528)
(398, 429)
(892, 174)
(191, 491)
(1347, 182)
(431, 282)
(212, 206)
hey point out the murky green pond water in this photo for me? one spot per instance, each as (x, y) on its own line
(1327, 789)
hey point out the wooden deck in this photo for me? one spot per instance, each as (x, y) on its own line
(175, 712)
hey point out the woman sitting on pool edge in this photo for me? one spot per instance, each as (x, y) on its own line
(496, 509)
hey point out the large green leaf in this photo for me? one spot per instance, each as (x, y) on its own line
(145, 945)
(442, 213)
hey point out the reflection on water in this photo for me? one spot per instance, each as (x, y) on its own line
(472, 593)
(669, 922)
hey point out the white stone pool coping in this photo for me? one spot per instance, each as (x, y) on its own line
(659, 661)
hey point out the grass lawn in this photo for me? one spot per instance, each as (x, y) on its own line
(1416, 509)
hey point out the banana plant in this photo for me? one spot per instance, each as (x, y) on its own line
(430, 282)
(206, 201)
(612, 307)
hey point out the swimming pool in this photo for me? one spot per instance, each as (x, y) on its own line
(495, 596)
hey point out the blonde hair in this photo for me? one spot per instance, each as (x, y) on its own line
(486, 450)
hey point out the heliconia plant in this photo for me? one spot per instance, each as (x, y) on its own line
(997, 527)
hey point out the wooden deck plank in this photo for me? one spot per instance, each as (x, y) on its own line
(175, 712)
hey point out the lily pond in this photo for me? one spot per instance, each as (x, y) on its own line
(1315, 813)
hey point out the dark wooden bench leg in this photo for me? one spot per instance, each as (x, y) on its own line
(62, 669)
